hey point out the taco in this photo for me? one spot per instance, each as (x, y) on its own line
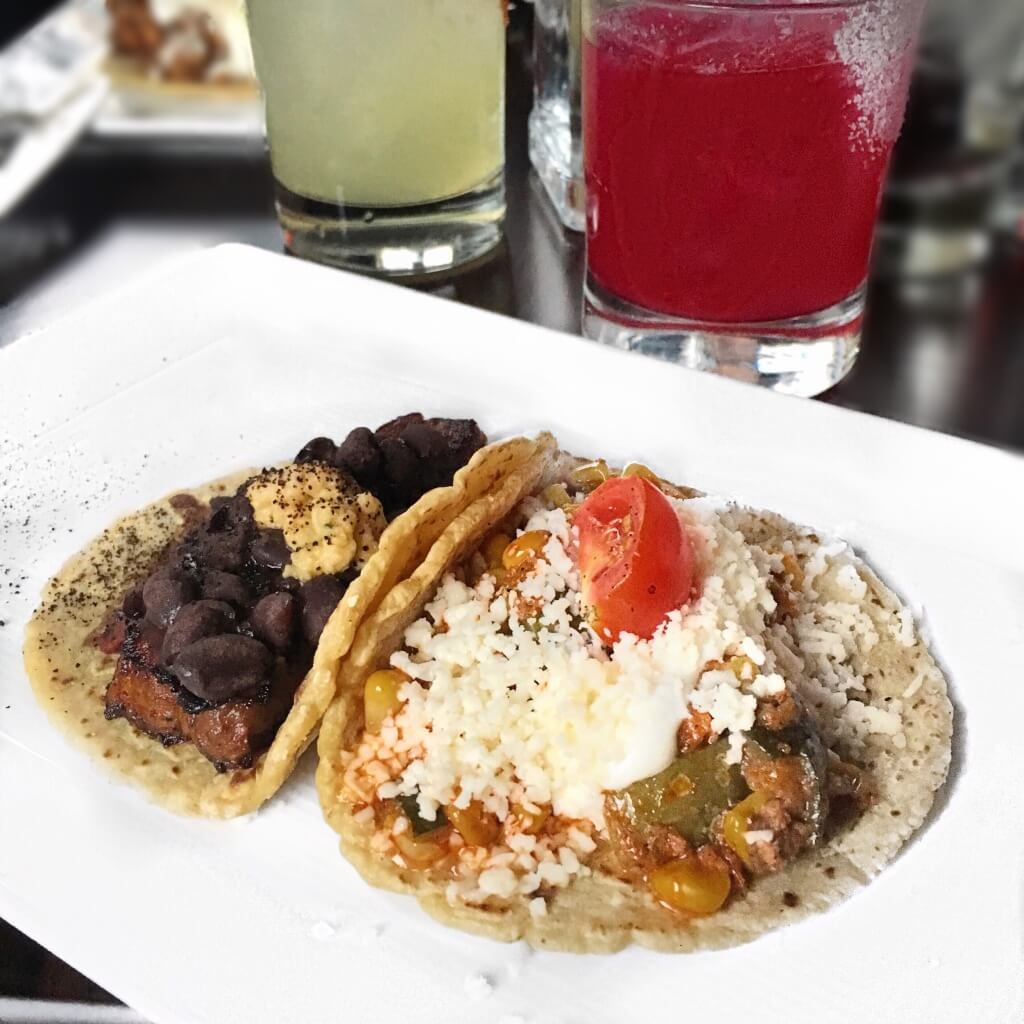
(194, 645)
(607, 710)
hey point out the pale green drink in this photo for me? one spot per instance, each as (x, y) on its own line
(382, 105)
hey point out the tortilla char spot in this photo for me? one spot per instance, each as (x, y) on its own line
(791, 899)
(830, 872)
(243, 775)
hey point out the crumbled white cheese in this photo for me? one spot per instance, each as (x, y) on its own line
(522, 705)
(832, 636)
(767, 685)
(850, 580)
(498, 882)
(904, 631)
(513, 712)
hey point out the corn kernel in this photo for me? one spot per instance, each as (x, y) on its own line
(736, 824)
(742, 668)
(689, 886)
(532, 821)
(639, 469)
(494, 548)
(380, 697)
(590, 476)
(420, 852)
(524, 548)
(557, 496)
(476, 825)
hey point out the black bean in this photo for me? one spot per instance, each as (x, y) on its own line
(425, 441)
(270, 549)
(359, 455)
(219, 668)
(195, 621)
(462, 438)
(402, 471)
(225, 586)
(172, 568)
(134, 605)
(230, 514)
(320, 449)
(163, 596)
(429, 447)
(397, 426)
(319, 597)
(273, 620)
(227, 550)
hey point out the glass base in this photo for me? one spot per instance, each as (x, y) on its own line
(394, 241)
(551, 156)
(800, 356)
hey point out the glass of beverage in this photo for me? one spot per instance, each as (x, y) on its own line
(556, 130)
(386, 128)
(735, 154)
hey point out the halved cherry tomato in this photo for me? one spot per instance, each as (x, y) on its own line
(636, 562)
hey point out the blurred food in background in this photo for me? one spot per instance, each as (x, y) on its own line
(181, 75)
(181, 41)
(952, 165)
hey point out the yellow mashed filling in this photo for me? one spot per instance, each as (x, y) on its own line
(328, 523)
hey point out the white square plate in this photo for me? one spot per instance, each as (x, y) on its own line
(236, 357)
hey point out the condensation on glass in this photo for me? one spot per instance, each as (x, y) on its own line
(735, 156)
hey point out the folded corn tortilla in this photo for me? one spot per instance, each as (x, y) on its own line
(69, 675)
(600, 913)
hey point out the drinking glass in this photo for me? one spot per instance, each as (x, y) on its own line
(386, 128)
(556, 131)
(735, 154)
(953, 164)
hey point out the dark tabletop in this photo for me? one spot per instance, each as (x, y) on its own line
(945, 353)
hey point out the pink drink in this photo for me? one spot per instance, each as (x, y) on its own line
(735, 159)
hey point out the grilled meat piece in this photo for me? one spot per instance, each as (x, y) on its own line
(231, 734)
(234, 734)
(141, 696)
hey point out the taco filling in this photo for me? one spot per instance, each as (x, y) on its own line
(620, 682)
(213, 644)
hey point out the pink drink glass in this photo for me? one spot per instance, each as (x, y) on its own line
(735, 155)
